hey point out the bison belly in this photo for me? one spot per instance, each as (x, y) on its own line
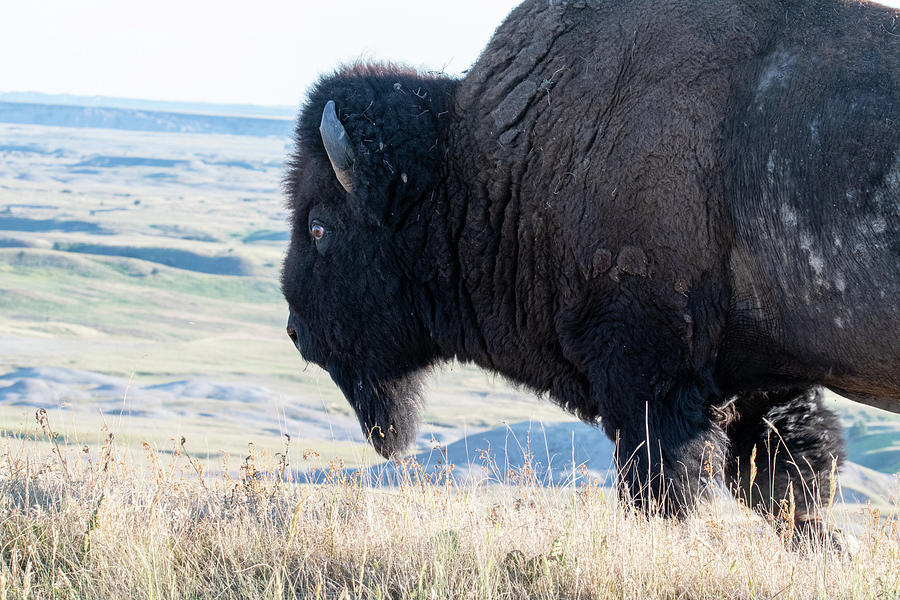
(815, 200)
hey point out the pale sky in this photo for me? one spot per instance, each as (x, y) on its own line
(249, 51)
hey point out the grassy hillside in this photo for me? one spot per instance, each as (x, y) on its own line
(187, 452)
(89, 523)
(154, 258)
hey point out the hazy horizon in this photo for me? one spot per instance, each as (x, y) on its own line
(99, 100)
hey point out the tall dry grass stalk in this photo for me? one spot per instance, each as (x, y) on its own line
(88, 523)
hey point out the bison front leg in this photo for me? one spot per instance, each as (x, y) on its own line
(651, 401)
(784, 447)
(667, 450)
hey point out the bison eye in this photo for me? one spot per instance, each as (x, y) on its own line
(317, 230)
(320, 234)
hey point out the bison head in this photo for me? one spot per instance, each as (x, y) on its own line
(368, 146)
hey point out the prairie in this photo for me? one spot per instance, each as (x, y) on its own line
(185, 451)
(90, 523)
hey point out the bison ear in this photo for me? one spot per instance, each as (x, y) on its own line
(337, 146)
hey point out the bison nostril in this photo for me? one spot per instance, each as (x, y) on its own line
(292, 333)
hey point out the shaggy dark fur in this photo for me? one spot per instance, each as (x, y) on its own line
(643, 210)
(794, 441)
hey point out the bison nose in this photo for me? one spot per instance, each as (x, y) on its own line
(292, 329)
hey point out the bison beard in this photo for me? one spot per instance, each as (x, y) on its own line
(388, 410)
(678, 220)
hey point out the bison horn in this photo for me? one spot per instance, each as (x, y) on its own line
(337, 145)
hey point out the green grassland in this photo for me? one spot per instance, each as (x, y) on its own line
(146, 320)
(140, 308)
(107, 240)
(100, 274)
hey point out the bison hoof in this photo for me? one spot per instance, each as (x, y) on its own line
(813, 534)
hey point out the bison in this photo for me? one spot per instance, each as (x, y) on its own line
(676, 219)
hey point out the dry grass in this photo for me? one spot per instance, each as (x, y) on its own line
(89, 523)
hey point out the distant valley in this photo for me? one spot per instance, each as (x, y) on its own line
(135, 119)
(140, 247)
